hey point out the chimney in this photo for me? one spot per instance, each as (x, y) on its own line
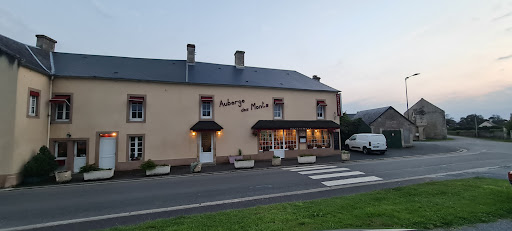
(315, 77)
(46, 43)
(191, 54)
(239, 59)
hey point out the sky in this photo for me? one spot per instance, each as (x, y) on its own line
(461, 48)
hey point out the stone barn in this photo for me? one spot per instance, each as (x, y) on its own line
(429, 119)
(397, 129)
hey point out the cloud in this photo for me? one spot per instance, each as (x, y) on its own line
(504, 57)
(509, 29)
(502, 17)
(101, 9)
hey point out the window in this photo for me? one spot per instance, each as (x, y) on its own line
(136, 148)
(33, 103)
(320, 109)
(278, 108)
(318, 138)
(136, 108)
(278, 139)
(61, 154)
(80, 148)
(206, 107)
(62, 107)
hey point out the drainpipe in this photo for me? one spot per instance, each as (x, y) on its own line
(49, 103)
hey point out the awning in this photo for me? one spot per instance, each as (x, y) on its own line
(294, 124)
(34, 93)
(278, 101)
(206, 126)
(206, 98)
(60, 99)
(136, 99)
(321, 103)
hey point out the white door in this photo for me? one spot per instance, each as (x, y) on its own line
(107, 158)
(206, 147)
(80, 155)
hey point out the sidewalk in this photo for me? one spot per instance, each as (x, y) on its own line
(501, 225)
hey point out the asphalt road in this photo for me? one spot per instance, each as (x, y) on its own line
(107, 204)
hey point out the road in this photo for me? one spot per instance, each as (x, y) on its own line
(107, 204)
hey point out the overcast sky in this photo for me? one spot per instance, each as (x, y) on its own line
(462, 48)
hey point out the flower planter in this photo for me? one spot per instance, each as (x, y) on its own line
(306, 159)
(244, 163)
(195, 167)
(276, 161)
(345, 155)
(99, 175)
(233, 158)
(63, 176)
(159, 170)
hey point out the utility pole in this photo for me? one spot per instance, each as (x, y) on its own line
(476, 128)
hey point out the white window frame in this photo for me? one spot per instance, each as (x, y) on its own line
(278, 111)
(320, 112)
(32, 107)
(138, 142)
(137, 111)
(322, 142)
(65, 110)
(209, 109)
(273, 137)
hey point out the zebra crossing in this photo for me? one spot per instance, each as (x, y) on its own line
(333, 175)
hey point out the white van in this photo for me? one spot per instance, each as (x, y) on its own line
(367, 143)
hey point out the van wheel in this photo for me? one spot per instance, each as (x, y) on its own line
(347, 147)
(365, 150)
(382, 153)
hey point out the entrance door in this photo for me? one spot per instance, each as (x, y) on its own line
(393, 138)
(80, 153)
(206, 147)
(279, 143)
(107, 156)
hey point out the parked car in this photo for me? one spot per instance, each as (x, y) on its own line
(367, 143)
(510, 177)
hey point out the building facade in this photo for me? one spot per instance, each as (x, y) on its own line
(429, 119)
(117, 112)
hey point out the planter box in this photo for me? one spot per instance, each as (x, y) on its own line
(306, 159)
(99, 175)
(276, 161)
(345, 155)
(233, 158)
(159, 170)
(244, 164)
(196, 168)
(63, 176)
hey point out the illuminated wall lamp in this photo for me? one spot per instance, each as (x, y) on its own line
(193, 133)
(219, 132)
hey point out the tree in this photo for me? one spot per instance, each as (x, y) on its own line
(508, 125)
(450, 122)
(469, 121)
(496, 119)
(350, 127)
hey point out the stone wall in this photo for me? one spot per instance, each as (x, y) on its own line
(392, 120)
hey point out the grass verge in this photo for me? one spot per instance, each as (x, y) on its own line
(443, 204)
(436, 140)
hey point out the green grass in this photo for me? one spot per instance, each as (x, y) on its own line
(430, 205)
(492, 139)
(435, 140)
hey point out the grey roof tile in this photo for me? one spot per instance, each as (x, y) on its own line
(19, 51)
(368, 116)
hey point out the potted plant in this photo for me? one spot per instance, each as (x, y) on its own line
(238, 157)
(318, 146)
(244, 163)
(39, 167)
(195, 167)
(92, 172)
(291, 148)
(310, 146)
(152, 169)
(63, 176)
(345, 155)
(306, 159)
(276, 160)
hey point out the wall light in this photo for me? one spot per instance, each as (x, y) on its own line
(193, 133)
(114, 134)
(219, 132)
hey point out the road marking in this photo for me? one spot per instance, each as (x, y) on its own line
(181, 207)
(336, 175)
(351, 180)
(311, 168)
(296, 167)
(324, 170)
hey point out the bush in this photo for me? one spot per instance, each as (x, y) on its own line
(42, 164)
(148, 165)
(89, 168)
(276, 157)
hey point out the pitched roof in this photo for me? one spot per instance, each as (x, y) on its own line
(369, 116)
(160, 70)
(422, 100)
(21, 52)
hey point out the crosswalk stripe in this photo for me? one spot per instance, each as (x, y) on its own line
(351, 180)
(311, 168)
(324, 170)
(336, 175)
(290, 168)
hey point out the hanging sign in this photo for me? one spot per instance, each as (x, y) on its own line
(338, 104)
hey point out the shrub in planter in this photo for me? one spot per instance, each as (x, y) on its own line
(244, 163)
(345, 155)
(232, 159)
(40, 166)
(89, 168)
(153, 169)
(276, 161)
(195, 167)
(91, 172)
(306, 159)
(148, 165)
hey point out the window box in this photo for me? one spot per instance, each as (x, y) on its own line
(63, 176)
(159, 170)
(244, 164)
(306, 159)
(99, 174)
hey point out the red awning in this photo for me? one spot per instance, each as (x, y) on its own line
(60, 99)
(278, 101)
(321, 103)
(206, 98)
(34, 93)
(136, 99)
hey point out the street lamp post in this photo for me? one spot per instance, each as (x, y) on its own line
(406, 97)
